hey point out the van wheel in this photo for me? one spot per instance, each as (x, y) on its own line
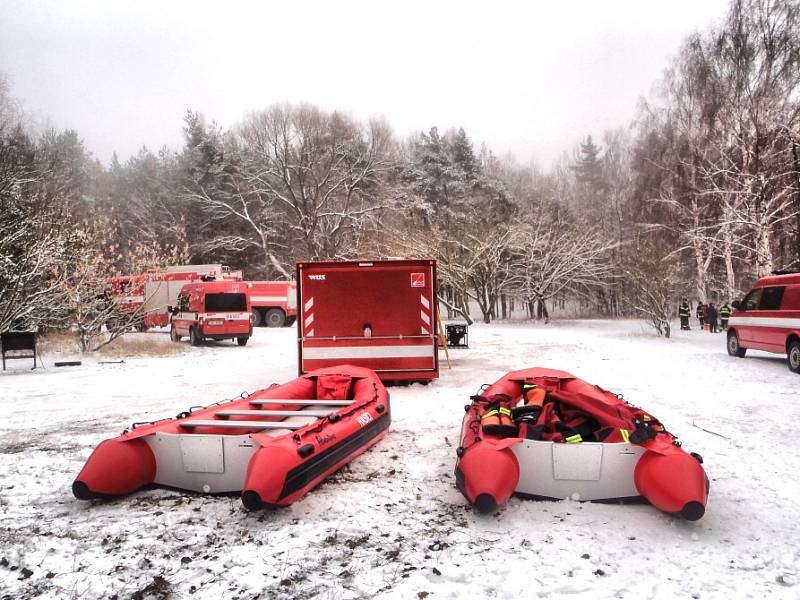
(734, 349)
(793, 357)
(242, 341)
(173, 334)
(257, 318)
(275, 317)
(194, 337)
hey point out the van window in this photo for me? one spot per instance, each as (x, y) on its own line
(791, 298)
(226, 303)
(771, 298)
(751, 300)
(183, 303)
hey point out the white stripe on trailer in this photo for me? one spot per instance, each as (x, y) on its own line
(766, 322)
(423, 314)
(277, 299)
(344, 352)
(308, 317)
(303, 402)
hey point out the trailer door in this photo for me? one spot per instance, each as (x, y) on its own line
(380, 315)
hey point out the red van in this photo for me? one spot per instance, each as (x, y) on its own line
(212, 310)
(768, 318)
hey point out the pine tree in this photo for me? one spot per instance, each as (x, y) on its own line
(589, 167)
(463, 155)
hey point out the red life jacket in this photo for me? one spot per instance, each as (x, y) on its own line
(593, 415)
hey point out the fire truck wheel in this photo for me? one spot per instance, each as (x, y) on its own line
(194, 338)
(173, 334)
(793, 357)
(257, 318)
(275, 317)
(734, 349)
(242, 341)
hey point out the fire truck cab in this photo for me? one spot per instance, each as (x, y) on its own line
(768, 318)
(212, 310)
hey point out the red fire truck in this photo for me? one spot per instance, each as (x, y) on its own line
(274, 302)
(380, 314)
(212, 310)
(150, 293)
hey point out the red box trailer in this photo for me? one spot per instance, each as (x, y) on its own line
(380, 314)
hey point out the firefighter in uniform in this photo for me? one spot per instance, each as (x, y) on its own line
(711, 318)
(701, 314)
(684, 312)
(724, 315)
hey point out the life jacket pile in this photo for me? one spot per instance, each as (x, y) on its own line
(565, 416)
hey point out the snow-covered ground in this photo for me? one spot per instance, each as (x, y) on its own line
(392, 524)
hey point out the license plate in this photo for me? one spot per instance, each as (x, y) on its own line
(216, 322)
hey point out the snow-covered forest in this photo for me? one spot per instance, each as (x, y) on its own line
(696, 197)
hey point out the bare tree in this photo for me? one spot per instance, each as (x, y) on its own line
(726, 142)
(652, 281)
(32, 231)
(318, 175)
(553, 256)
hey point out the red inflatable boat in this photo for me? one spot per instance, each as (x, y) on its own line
(544, 433)
(273, 445)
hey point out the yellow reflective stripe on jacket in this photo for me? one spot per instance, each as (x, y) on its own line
(491, 413)
(625, 434)
(505, 411)
(574, 439)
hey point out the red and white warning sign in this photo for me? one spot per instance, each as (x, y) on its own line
(418, 280)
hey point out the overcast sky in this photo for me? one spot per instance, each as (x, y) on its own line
(528, 77)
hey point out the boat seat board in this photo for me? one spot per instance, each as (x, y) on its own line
(245, 424)
(274, 413)
(303, 402)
